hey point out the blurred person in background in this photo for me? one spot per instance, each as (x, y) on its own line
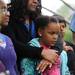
(69, 47)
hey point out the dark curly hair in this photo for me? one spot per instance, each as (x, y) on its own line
(18, 10)
(61, 19)
(43, 21)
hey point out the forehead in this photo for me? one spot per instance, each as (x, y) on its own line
(2, 4)
(53, 27)
(62, 24)
(30, 0)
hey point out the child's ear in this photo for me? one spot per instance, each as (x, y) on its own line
(40, 32)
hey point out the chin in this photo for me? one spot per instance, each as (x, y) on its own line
(5, 24)
(52, 44)
(32, 10)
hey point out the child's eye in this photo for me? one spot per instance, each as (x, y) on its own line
(52, 33)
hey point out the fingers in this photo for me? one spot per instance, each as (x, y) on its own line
(70, 48)
(67, 48)
(43, 65)
(54, 58)
(50, 65)
(56, 51)
(39, 65)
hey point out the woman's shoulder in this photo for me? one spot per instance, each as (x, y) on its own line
(5, 38)
(3, 35)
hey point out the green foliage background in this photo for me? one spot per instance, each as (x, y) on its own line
(68, 35)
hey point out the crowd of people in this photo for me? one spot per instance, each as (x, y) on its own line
(32, 43)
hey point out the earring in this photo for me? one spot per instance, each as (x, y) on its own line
(40, 35)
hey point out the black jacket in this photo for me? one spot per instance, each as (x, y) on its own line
(71, 58)
(20, 37)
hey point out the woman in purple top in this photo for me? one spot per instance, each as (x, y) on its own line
(7, 53)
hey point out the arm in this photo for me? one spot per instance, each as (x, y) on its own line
(24, 50)
(21, 49)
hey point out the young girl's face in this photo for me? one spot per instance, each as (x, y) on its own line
(49, 34)
(4, 14)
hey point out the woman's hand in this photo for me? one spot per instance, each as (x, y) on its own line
(67, 48)
(50, 55)
(43, 65)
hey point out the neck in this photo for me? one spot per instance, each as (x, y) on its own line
(27, 21)
(44, 45)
